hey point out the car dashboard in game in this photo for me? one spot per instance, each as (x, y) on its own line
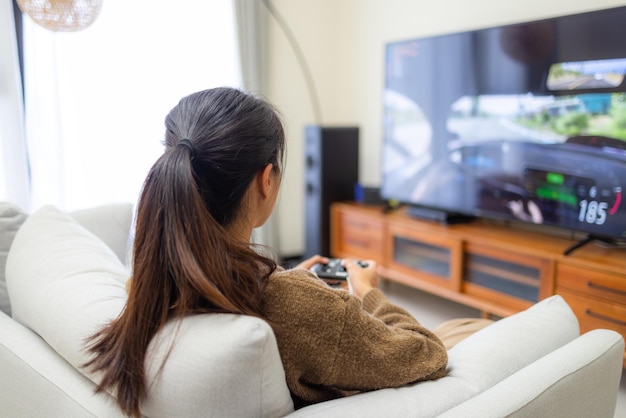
(566, 184)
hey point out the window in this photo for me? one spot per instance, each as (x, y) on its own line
(96, 99)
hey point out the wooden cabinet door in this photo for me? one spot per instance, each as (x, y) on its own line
(505, 277)
(423, 254)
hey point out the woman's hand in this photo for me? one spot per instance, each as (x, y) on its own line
(310, 262)
(361, 279)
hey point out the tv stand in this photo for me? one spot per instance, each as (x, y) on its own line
(493, 267)
(438, 215)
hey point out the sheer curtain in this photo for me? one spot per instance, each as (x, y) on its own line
(14, 182)
(96, 99)
(252, 20)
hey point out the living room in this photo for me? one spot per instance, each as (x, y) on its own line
(343, 44)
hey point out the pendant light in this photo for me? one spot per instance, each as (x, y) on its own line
(62, 15)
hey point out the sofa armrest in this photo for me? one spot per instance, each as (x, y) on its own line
(580, 379)
(36, 381)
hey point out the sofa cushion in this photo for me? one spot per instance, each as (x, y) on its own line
(11, 218)
(514, 342)
(65, 283)
(475, 364)
(111, 223)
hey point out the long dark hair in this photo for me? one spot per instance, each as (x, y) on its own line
(184, 259)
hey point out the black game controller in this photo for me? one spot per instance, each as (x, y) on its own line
(333, 270)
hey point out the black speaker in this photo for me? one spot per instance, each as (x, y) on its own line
(331, 172)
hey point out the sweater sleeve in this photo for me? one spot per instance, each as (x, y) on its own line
(332, 344)
(382, 346)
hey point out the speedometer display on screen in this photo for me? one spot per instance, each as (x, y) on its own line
(569, 199)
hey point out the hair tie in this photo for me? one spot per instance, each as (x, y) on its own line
(186, 142)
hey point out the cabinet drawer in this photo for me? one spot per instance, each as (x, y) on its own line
(359, 236)
(593, 283)
(595, 313)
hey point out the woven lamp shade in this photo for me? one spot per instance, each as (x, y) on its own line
(62, 15)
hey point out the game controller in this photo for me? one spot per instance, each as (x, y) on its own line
(333, 270)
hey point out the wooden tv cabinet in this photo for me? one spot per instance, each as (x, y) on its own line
(494, 267)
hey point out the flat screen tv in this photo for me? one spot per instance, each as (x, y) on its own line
(524, 122)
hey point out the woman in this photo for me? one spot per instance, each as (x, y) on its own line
(217, 180)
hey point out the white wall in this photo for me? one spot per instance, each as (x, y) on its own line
(343, 42)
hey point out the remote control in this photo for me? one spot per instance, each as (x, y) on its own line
(333, 270)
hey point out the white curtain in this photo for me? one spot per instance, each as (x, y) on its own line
(251, 17)
(252, 20)
(96, 99)
(14, 181)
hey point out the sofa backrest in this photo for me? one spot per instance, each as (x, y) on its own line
(65, 283)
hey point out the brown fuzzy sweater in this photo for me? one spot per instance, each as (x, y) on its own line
(334, 345)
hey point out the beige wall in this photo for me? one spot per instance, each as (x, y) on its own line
(343, 42)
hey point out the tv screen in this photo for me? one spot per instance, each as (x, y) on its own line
(524, 122)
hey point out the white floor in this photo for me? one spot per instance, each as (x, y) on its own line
(431, 310)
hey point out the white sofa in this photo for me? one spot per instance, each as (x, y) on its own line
(65, 277)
